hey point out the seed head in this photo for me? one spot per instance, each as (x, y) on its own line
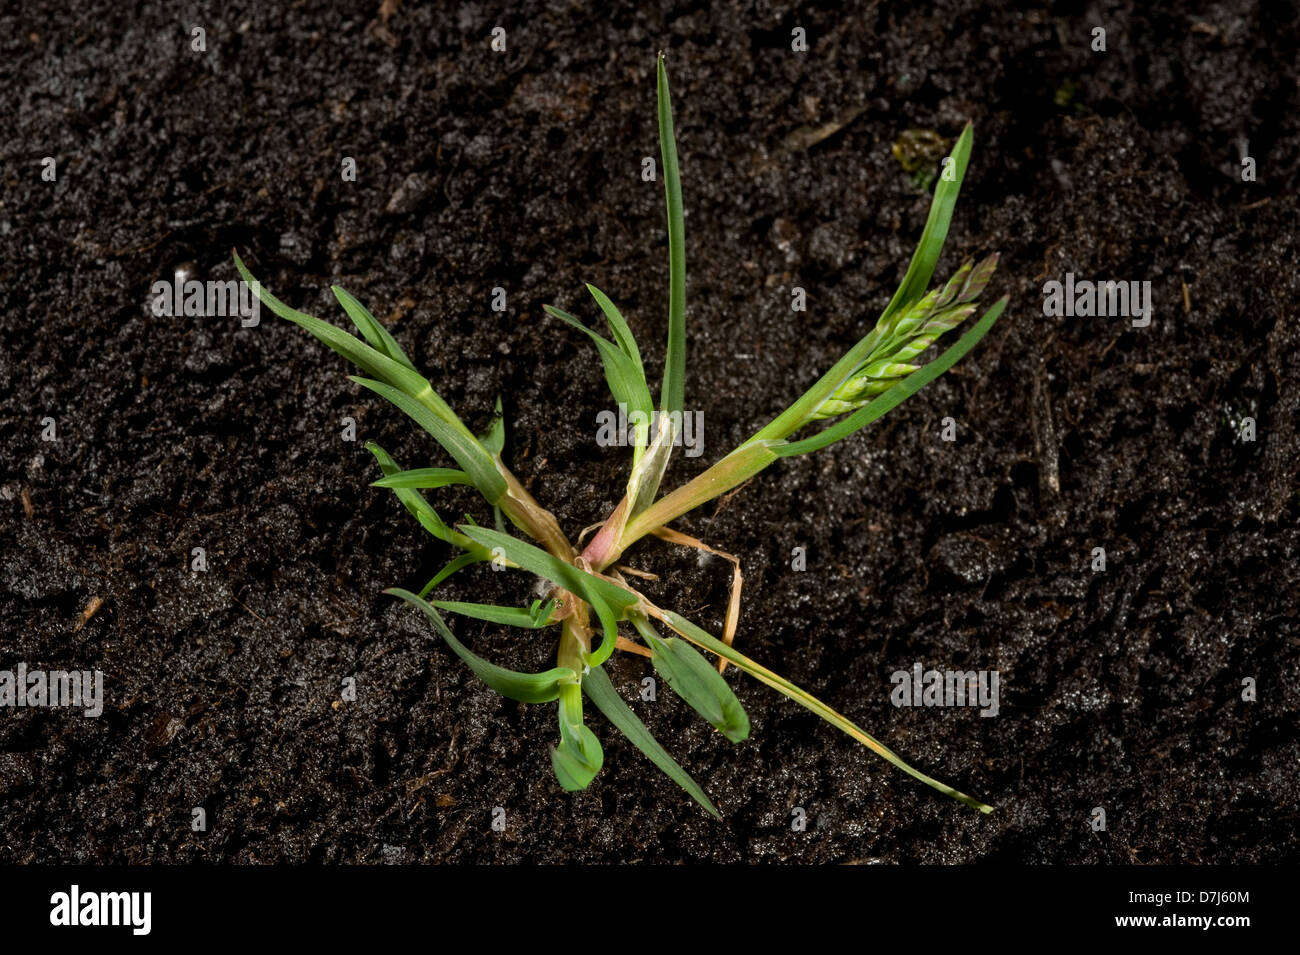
(906, 334)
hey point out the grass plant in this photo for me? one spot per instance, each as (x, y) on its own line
(588, 594)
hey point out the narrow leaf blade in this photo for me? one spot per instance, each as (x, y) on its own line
(421, 509)
(463, 447)
(619, 328)
(539, 562)
(524, 687)
(459, 563)
(509, 616)
(373, 362)
(576, 763)
(424, 478)
(921, 269)
(579, 757)
(601, 692)
(672, 397)
(370, 329)
(626, 381)
(699, 637)
(700, 685)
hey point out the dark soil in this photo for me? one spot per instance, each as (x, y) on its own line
(1120, 689)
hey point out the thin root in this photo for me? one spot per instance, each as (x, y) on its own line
(733, 605)
(643, 574)
(587, 530)
(624, 643)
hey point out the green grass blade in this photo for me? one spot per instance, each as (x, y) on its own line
(525, 617)
(579, 756)
(696, 681)
(463, 447)
(921, 269)
(608, 626)
(524, 687)
(360, 354)
(370, 329)
(539, 562)
(576, 762)
(691, 632)
(415, 503)
(601, 692)
(423, 511)
(673, 395)
(618, 327)
(424, 478)
(626, 381)
(607, 599)
(460, 563)
(899, 393)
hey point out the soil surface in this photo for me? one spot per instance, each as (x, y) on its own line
(1121, 688)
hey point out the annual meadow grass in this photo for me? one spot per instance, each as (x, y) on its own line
(588, 593)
